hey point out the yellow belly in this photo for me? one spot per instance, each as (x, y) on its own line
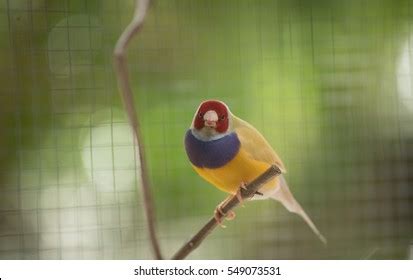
(241, 169)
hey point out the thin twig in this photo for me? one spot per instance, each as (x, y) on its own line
(122, 73)
(228, 204)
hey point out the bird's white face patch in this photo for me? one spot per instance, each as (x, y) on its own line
(211, 116)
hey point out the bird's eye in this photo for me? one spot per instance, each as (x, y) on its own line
(200, 115)
(222, 117)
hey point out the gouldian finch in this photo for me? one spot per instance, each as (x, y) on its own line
(229, 152)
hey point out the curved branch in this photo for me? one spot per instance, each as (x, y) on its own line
(227, 205)
(122, 73)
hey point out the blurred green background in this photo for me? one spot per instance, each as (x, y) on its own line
(329, 84)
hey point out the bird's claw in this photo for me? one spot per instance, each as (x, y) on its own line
(230, 215)
(219, 214)
(218, 217)
(238, 194)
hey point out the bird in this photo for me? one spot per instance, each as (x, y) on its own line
(228, 152)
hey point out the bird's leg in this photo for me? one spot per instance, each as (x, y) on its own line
(239, 194)
(219, 214)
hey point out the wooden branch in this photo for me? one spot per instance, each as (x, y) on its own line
(122, 73)
(227, 205)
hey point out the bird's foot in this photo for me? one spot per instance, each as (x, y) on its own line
(219, 215)
(230, 216)
(238, 194)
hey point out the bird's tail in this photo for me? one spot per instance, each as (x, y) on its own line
(284, 195)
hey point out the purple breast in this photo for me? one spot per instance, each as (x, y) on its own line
(211, 154)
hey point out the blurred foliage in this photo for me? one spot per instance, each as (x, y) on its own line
(318, 78)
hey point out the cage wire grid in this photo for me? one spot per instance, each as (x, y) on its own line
(329, 85)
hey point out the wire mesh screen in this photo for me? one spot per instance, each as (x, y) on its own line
(328, 83)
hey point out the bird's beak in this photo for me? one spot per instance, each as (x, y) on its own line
(211, 124)
(210, 119)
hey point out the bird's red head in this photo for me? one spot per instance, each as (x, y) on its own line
(213, 114)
